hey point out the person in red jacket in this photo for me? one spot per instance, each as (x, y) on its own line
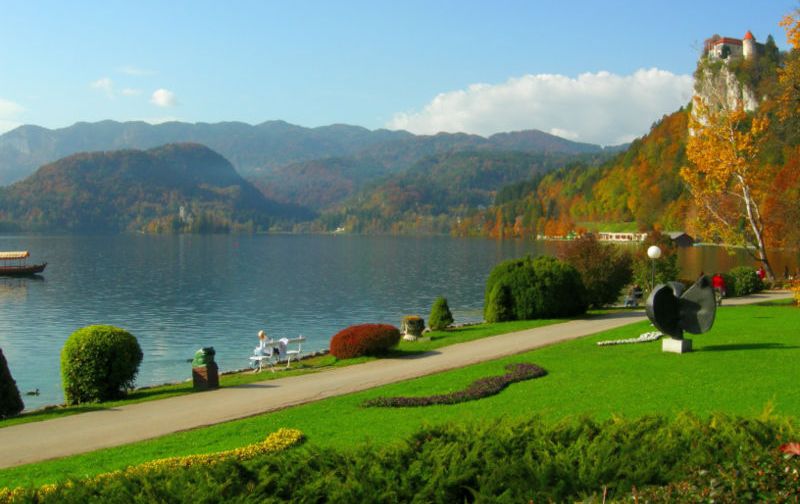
(718, 283)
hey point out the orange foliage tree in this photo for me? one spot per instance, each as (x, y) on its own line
(725, 177)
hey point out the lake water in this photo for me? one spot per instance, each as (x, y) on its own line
(179, 293)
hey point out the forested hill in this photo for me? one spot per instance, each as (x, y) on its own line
(133, 190)
(439, 192)
(637, 189)
(261, 149)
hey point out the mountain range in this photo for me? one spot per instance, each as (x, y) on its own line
(263, 150)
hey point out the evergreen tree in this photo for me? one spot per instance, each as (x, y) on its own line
(10, 401)
(440, 317)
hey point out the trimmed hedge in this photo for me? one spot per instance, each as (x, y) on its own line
(440, 316)
(483, 387)
(527, 288)
(498, 461)
(10, 401)
(364, 339)
(99, 363)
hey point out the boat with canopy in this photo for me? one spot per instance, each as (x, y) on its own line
(15, 264)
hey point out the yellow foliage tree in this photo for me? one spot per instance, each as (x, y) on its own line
(725, 178)
(789, 75)
(792, 26)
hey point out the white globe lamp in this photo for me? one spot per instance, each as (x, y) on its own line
(653, 252)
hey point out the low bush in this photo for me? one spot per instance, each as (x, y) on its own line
(440, 316)
(10, 401)
(524, 289)
(605, 268)
(483, 387)
(99, 363)
(364, 339)
(505, 461)
(744, 281)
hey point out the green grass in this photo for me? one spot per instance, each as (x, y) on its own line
(437, 339)
(745, 365)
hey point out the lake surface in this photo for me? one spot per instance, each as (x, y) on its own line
(179, 293)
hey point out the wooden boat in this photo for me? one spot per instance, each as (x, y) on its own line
(20, 268)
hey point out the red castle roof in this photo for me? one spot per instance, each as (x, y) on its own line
(749, 36)
(727, 40)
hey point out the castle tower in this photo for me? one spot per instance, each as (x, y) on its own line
(749, 46)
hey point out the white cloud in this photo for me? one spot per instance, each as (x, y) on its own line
(9, 112)
(105, 85)
(131, 92)
(601, 108)
(163, 98)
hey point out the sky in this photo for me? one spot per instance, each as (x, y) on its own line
(587, 70)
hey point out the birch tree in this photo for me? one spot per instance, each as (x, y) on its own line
(725, 178)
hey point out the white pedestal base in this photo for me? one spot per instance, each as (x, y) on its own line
(676, 345)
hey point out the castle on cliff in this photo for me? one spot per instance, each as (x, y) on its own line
(723, 48)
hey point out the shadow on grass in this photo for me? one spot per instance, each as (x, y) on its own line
(748, 346)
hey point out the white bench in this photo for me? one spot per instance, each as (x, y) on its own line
(275, 356)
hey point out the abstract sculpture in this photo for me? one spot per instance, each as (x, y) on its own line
(673, 311)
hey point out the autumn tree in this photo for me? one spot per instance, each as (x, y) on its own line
(789, 75)
(725, 177)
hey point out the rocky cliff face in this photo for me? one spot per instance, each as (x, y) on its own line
(718, 86)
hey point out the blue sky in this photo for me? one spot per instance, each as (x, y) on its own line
(598, 71)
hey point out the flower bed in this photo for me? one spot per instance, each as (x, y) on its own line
(478, 389)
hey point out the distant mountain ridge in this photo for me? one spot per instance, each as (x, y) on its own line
(175, 187)
(259, 150)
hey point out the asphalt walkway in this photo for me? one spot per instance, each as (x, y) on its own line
(60, 437)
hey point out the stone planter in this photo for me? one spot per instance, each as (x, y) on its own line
(412, 327)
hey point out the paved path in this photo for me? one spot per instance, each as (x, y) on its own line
(33, 442)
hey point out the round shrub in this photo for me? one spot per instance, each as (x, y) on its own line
(440, 317)
(524, 289)
(605, 268)
(364, 339)
(745, 280)
(99, 363)
(10, 401)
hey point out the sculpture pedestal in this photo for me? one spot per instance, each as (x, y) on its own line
(676, 345)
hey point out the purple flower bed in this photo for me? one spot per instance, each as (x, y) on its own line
(478, 389)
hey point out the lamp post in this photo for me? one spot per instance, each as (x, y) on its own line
(653, 252)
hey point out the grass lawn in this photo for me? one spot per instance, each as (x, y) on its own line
(746, 365)
(438, 339)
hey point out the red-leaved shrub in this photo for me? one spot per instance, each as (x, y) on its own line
(364, 339)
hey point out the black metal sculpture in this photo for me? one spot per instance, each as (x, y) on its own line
(673, 311)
